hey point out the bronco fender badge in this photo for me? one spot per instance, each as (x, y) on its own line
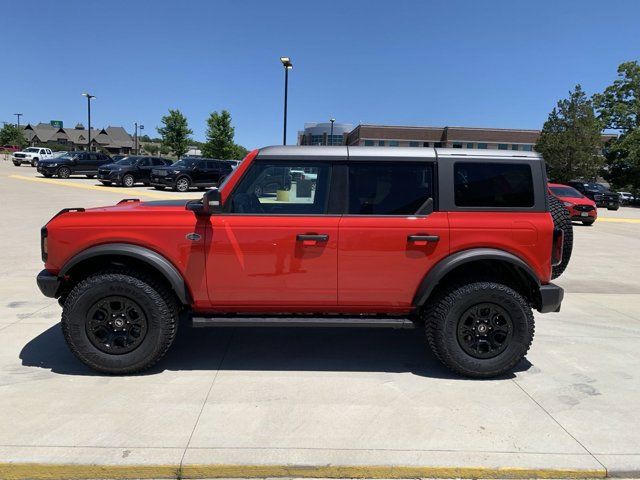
(193, 236)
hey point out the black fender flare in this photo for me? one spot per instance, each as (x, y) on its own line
(455, 260)
(143, 254)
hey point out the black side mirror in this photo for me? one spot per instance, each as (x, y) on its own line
(210, 204)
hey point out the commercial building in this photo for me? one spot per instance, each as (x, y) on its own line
(114, 140)
(320, 134)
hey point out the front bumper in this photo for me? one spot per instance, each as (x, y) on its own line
(158, 181)
(551, 296)
(46, 169)
(21, 160)
(112, 176)
(48, 283)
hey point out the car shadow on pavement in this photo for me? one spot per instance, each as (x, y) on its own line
(269, 349)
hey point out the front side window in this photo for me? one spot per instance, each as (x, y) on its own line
(283, 188)
(493, 185)
(389, 188)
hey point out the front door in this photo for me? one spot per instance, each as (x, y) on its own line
(274, 250)
(391, 237)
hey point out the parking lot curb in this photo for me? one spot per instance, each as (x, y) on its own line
(40, 471)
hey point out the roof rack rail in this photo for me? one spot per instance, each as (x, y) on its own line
(128, 200)
(67, 210)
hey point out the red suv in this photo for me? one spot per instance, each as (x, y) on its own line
(462, 245)
(580, 208)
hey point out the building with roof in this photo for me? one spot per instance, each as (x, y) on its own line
(320, 134)
(450, 137)
(114, 140)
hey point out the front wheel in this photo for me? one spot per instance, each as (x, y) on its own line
(120, 322)
(34, 162)
(64, 172)
(183, 184)
(128, 180)
(481, 329)
(17, 164)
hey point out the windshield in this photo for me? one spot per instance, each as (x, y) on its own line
(126, 161)
(566, 192)
(32, 149)
(185, 163)
(66, 156)
(595, 186)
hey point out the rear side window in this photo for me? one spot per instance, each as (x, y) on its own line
(382, 188)
(493, 185)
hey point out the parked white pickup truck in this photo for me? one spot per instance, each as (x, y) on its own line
(32, 156)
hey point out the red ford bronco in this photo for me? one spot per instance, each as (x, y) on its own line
(462, 244)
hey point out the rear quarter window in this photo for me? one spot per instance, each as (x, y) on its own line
(493, 185)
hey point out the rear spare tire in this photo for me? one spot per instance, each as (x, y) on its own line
(561, 220)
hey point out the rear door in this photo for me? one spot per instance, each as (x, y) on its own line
(389, 238)
(83, 162)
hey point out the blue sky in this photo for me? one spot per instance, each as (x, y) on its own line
(469, 63)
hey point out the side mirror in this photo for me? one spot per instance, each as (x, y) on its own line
(210, 204)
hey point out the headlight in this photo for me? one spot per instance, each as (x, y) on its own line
(51, 165)
(568, 204)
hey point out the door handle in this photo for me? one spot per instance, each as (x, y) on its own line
(423, 238)
(304, 237)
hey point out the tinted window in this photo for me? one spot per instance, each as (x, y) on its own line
(212, 165)
(282, 188)
(493, 185)
(389, 188)
(144, 162)
(565, 192)
(186, 163)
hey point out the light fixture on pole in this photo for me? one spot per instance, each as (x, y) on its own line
(332, 120)
(89, 98)
(286, 63)
(18, 115)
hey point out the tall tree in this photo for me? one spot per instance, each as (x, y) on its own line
(219, 143)
(175, 132)
(10, 134)
(618, 108)
(570, 141)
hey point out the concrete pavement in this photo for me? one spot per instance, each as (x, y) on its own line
(319, 402)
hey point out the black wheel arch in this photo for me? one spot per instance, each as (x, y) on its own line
(129, 255)
(483, 263)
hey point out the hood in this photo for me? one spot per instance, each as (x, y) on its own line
(578, 201)
(112, 166)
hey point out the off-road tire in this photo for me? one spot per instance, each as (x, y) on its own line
(443, 313)
(64, 172)
(561, 220)
(157, 303)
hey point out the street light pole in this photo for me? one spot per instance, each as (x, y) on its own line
(286, 63)
(18, 115)
(141, 128)
(89, 97)
(135, 137)
(331, 135)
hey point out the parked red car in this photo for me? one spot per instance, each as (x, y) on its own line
(10, 148)
(581, 208)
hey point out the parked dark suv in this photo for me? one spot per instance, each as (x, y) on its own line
(130, 170)
(74, 163)
(190, 172)
(598, 193)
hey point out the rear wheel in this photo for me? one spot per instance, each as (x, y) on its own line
(561, 220)
(128, 180)
(64, 172)
(481, 329)
(119, 322)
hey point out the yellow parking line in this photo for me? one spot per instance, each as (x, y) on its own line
(119, 191)
(619, 220)
(19, 471)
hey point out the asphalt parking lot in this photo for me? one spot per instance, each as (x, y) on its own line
(319, 402)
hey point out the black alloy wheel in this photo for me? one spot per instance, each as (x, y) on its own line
(64, 172)
(116, 325)
(484, 330)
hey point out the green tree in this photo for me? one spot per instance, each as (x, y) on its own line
(10, 134)
(175, 132)
(239, 152)
(219, 143)
(571, 141)
(618, 108)
(152, 148)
